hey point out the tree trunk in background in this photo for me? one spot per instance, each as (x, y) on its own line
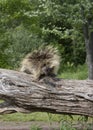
(88, 37)
(89, 50)
(90, 56)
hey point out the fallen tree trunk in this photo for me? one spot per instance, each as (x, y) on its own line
(21, 94)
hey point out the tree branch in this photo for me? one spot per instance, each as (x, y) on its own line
(21, 94)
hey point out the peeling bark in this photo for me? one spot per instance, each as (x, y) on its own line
(22, 94)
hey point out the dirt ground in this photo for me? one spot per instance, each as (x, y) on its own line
(27, 125)
(43, 125)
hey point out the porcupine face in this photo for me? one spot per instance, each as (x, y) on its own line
(48, 68)
(45, 69)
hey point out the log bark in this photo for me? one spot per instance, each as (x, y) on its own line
(21, 94)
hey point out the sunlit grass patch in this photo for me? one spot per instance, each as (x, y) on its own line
(80, 72)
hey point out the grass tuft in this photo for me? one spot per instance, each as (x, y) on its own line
(80, 72)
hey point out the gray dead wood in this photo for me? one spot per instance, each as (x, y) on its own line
(21, 94)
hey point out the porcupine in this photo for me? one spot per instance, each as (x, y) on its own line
(43, 62)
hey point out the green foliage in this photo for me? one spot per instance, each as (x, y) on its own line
(71, 72)
(26, 24)
(50, 21)
(21, 42)
(4, 43)
(35, 128)
(66, 126)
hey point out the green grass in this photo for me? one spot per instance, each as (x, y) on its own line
(24, 117)
(35, 128)
(80, 72)
(37, 116)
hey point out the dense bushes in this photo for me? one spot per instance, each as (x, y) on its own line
(34, 23)
(19, 42)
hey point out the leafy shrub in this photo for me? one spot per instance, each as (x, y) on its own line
(21, 42)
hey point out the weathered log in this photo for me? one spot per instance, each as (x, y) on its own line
(21, 94)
